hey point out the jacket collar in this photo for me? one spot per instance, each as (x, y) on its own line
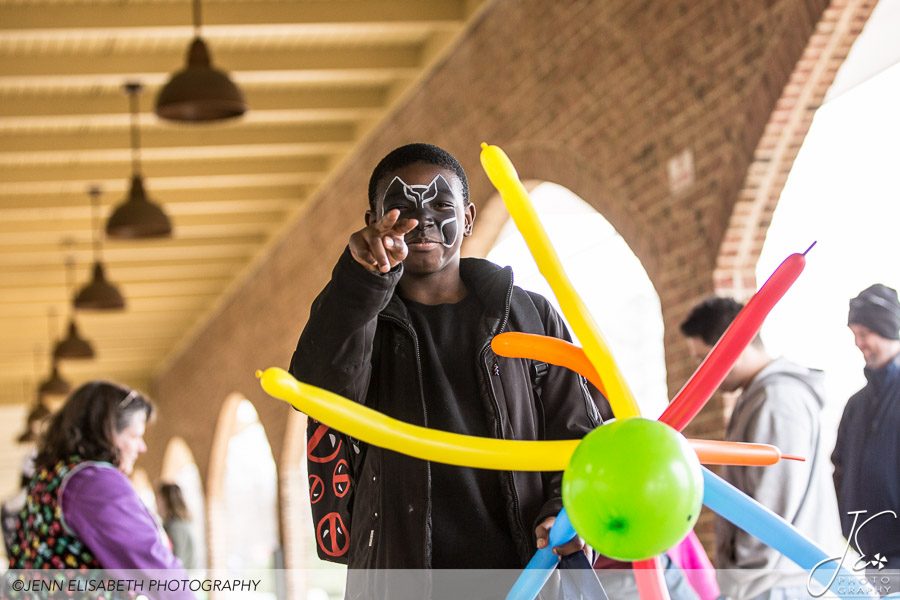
(884, 376)
(491, 283)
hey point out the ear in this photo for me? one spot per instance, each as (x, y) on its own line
(370, 218)
(469, 217)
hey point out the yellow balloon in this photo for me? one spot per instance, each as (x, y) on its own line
(378, 429)
(502, 174)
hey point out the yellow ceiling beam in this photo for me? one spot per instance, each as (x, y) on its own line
(158, 271)
(192, 250)
(61, 225)
(174, 304)
(131, 290)
(101, 364)
(357, 76)
(13, 392)
(76, 206)
(163, 136)
(150, 323)
(88, 102)
(105, 340)
(314, 166)
(152, 185)
(324, 152)
(61, 60)
(349, 14)
(285, 117)
(82, 236)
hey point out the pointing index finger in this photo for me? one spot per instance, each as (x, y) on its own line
(405, 226)
(387, 222)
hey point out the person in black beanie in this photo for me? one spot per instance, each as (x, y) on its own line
(866, 455)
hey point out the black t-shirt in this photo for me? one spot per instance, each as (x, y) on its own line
(470, 526)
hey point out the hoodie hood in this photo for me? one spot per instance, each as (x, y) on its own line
(781, 367)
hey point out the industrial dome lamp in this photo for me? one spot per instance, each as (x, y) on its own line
(99, 294)
(73, 346)
(54, 385)
(199, 92)
(138, 216)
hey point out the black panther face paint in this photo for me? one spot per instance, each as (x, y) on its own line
(432, 205)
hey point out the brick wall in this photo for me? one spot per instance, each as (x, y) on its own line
(596, 96)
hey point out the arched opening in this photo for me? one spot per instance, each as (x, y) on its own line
(842, 193)
(307, 576)
(242, 482)
(610, 279)
(179, 467)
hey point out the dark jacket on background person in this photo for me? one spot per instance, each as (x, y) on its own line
(866, 461)
(359, 343)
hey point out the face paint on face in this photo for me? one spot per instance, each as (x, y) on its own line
(434, 203)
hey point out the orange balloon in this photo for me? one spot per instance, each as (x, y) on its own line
(565, 354)
(549, 350)
(711, 452)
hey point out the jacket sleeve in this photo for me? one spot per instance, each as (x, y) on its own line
(844, 439)
(784, 420)
(335, 347)
(335, 353)
(102, 509)
(569, 410)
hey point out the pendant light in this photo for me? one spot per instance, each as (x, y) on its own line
(137, 216)
(199, 92)
(73, 347)
(34, 422)
(54, 385)
(99, 294)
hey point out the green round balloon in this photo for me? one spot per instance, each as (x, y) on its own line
(633, 488)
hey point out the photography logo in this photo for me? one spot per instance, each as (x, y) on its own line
(857, 580)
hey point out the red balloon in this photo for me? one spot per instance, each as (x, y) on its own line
(710, 374)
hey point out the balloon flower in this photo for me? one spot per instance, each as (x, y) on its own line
(632, 488)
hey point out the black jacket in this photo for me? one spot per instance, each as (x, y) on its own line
(359, 343)
(866, 461)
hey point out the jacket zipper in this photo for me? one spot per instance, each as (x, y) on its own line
(415, 340)
(497, 431)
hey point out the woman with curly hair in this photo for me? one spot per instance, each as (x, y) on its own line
(81, 511)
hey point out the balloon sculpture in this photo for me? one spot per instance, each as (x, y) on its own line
(618, 477)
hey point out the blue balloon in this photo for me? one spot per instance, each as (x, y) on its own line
(734, 505)
(542, 564)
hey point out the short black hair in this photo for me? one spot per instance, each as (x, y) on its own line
(413, 153)
(709, 319)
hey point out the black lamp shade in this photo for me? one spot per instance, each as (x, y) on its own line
(200, 92)
(138, 217)
(38, 413)
(54, 385)
(73, 347)
(99, 294)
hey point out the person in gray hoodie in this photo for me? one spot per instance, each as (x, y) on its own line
(779, 404)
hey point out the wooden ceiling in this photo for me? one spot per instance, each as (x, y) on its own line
(317, 74)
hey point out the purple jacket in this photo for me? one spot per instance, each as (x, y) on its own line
(101, 508)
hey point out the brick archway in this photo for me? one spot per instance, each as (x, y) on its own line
(293, 491)
(835, 33)
(537, 162)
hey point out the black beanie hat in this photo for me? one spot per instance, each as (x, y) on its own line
(878, 309)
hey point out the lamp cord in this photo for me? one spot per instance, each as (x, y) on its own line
(196, 18)
(94, 192)
(70, 282)
(135, 134)
(52, 325)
